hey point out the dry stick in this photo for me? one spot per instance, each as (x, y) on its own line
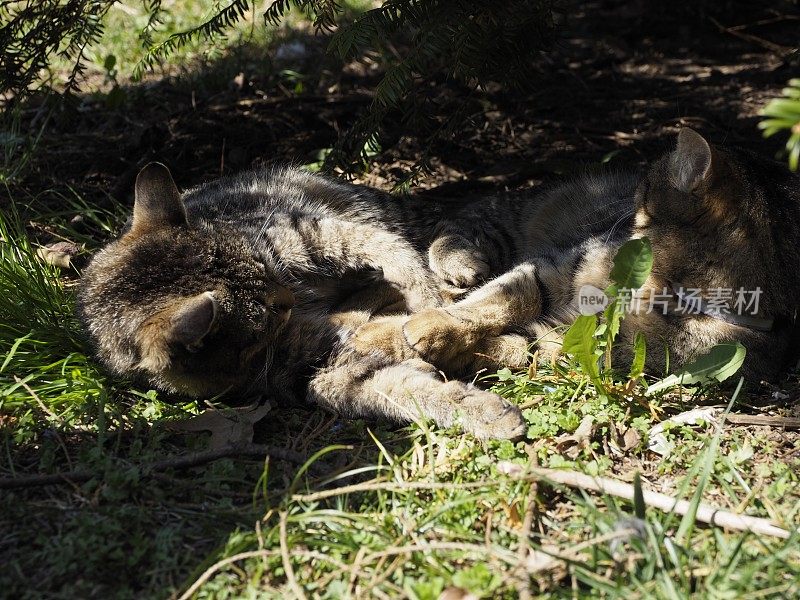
(785, 422)
(208, 573)
(263, 553)
(705, 512)
(179, 462)
(287, 562)
(778, 49)
(391, 486)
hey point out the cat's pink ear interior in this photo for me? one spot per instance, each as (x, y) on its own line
(690, 163)
(186, 321)
(193, 320)
(158, 203)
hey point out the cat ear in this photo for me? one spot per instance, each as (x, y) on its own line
(158, 202)
(690, 163)
(193, 320)
(186, 322)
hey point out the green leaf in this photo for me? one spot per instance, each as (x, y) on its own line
(579, 341)
(632, 264)
(478, 579)
(639, 355)
(722, 361)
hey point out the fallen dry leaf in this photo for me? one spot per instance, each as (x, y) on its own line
(228, 427)
(631, 439)
(59, 254)
(571, 444)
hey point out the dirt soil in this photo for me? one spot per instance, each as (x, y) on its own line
(623, 78)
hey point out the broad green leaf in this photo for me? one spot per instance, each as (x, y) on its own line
(639, 355)
(632, 264)
(722, 361)
(579, 341)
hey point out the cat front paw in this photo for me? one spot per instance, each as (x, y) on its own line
(463, 268)
(439, 338)
(488, 416)
(383, 335)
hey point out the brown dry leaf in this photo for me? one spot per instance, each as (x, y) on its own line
(229, 427)
(571, 444)
(631, 439)
(513, 515)
(59, 254)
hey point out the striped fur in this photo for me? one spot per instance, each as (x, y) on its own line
(252, 285)
(717, 218)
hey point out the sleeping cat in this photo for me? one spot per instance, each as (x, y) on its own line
(723, 223)
(249, 285)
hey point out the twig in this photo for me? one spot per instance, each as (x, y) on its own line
(785, 422)
(505, 555)
(35, 396)
(781, 51)
(208, 573)
(178, 462)
(542, 560)
(391, 486)
(287, 562)
(706, 513)
(263, 553)
(53, 416)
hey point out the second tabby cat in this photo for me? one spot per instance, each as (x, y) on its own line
(723, 223)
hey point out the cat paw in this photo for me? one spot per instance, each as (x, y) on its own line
(383, 335)
(422, 297)
(463, 268)
(438, 337)
(488, 416)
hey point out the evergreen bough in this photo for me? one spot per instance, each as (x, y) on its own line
(471, 42)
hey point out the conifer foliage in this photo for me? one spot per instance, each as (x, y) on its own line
(470, 41)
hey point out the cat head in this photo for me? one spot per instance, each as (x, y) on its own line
(723, 219)
(186, 305)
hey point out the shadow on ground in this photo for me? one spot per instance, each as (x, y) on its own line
(617, 86)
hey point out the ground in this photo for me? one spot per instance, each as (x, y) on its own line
(429, 509)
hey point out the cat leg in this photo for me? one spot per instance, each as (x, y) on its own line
(456, 260)
(385, 336)
(447, 337)
(344, 245)
(471, 246)
(407, 391)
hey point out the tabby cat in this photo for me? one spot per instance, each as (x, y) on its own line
(252, 284)
(719, 220)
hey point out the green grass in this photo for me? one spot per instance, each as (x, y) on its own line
(405, 513)
(129, 35)
(383, 512)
